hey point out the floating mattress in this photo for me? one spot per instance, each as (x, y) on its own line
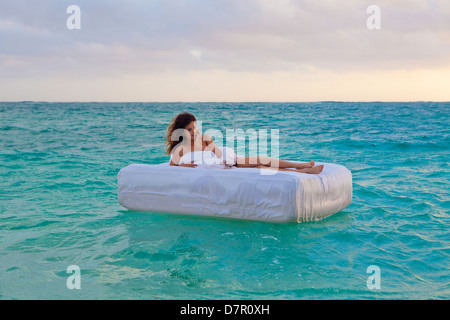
(240, 193)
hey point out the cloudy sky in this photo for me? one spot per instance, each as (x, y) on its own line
(225, 50)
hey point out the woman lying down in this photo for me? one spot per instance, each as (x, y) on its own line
(200, 149)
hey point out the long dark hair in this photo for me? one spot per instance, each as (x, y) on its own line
(178, 122)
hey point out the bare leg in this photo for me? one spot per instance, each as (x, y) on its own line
(254, 161)
(313, 170)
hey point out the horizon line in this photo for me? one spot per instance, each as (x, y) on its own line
(267, 101)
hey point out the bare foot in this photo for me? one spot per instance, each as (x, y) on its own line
(309, 164)
(313, 170)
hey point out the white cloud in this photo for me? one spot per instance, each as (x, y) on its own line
(197, 53)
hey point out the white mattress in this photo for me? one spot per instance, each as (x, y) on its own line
(240, 193)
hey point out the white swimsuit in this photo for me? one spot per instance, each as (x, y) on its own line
(208, 159)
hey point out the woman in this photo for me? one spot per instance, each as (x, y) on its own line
(185, 143)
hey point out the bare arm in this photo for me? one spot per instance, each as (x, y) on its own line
(210, 145)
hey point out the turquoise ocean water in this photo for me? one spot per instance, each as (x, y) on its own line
(58, 205)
